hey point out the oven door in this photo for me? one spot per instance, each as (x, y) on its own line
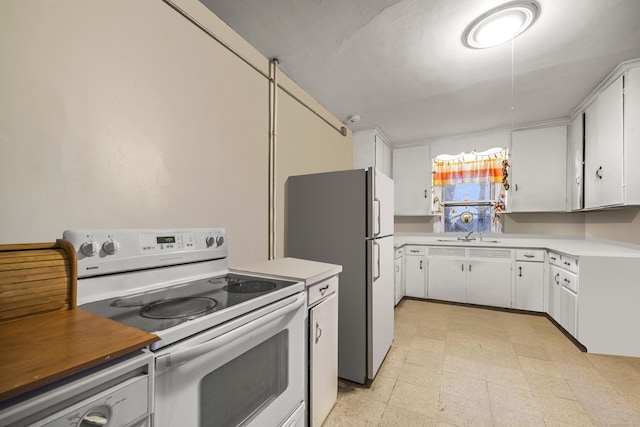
(249, 371)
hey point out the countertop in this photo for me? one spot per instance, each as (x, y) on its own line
(42, 349)
(309, 272)
(566, 245)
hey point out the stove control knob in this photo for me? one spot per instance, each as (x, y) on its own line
(89, 248)
(210, 241)
(219, 240)
(111, 247)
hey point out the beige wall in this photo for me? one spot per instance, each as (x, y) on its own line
(556, 224)
(124, 114)
(622, 225)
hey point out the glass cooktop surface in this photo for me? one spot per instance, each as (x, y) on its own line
(165, 308)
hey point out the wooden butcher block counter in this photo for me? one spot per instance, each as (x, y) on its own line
(44, 337)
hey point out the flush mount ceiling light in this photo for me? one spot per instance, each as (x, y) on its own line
(500, 24)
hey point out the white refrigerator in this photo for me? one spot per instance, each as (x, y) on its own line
(346, 218)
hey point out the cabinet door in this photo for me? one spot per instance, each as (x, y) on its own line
(603, 153)
(415, 275)
(412, 180)
(569, 302)
(529, 286)
(447, 279)
(399, 279)
(538, 170)
(575, 164)
(489, 282)
(554, 286)
(323, 359)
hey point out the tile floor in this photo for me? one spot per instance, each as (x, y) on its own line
(464, 366)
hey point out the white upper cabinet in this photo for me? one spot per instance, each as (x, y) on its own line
(575, 164)
(604, 145)
(632, 136)
(372, 148)
(538, 170)
(412, 180)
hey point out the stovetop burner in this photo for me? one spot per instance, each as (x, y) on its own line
(249, 286)
(164, 308)
(178, 307)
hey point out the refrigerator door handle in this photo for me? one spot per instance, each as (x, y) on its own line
(377, 231)
(376, 254)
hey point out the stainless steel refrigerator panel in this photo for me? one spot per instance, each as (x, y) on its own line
(326, 221)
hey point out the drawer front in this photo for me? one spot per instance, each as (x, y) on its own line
(415, 250)
(570, 263)
(399, 252)
(536, 255)
(321, 290)
(569, 281)
(555, 259)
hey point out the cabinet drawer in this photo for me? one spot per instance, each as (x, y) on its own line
(415, 250)
(555, 258)
(536, 255)
(399, 252)
(321, 290)
(569, 281)
(570, 263)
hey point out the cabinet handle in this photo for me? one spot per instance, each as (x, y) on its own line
(529, 256)
(462, 267)
(318, 332)
(553, 258)
(421, 264)
(425, 194)
(397, 268)
(516, 187)
(599, 173)
(557, 278)
(469, 267)
(323, 289)
(520, 271)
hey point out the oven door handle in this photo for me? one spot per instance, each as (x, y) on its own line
(178, 357)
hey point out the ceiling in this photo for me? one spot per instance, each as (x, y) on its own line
(401, 66)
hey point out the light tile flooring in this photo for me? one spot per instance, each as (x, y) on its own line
(464, 366)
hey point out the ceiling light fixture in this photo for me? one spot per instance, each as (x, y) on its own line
(500, 24)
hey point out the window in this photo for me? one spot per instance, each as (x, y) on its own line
(469, 191)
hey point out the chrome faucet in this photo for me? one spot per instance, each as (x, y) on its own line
(467, 238)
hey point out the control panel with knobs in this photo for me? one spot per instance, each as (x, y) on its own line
(105, 251)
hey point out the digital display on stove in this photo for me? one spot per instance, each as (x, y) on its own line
(165, 240)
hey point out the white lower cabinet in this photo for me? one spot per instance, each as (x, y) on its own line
(569, 302)
(415, 263)
(529, 280)
(399, 281)
(553, 308)
(474, 275)
(323, 359)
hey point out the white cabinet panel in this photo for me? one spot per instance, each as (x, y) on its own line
(448, 279)
(569, 302)
(575, 164)
(603, 156)
(529, 286)
(554, 307)
(371, 149)
(538, 170)
(415, 274)
(399, 279)
(412, 179)
(323, 359)
(489, 282)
